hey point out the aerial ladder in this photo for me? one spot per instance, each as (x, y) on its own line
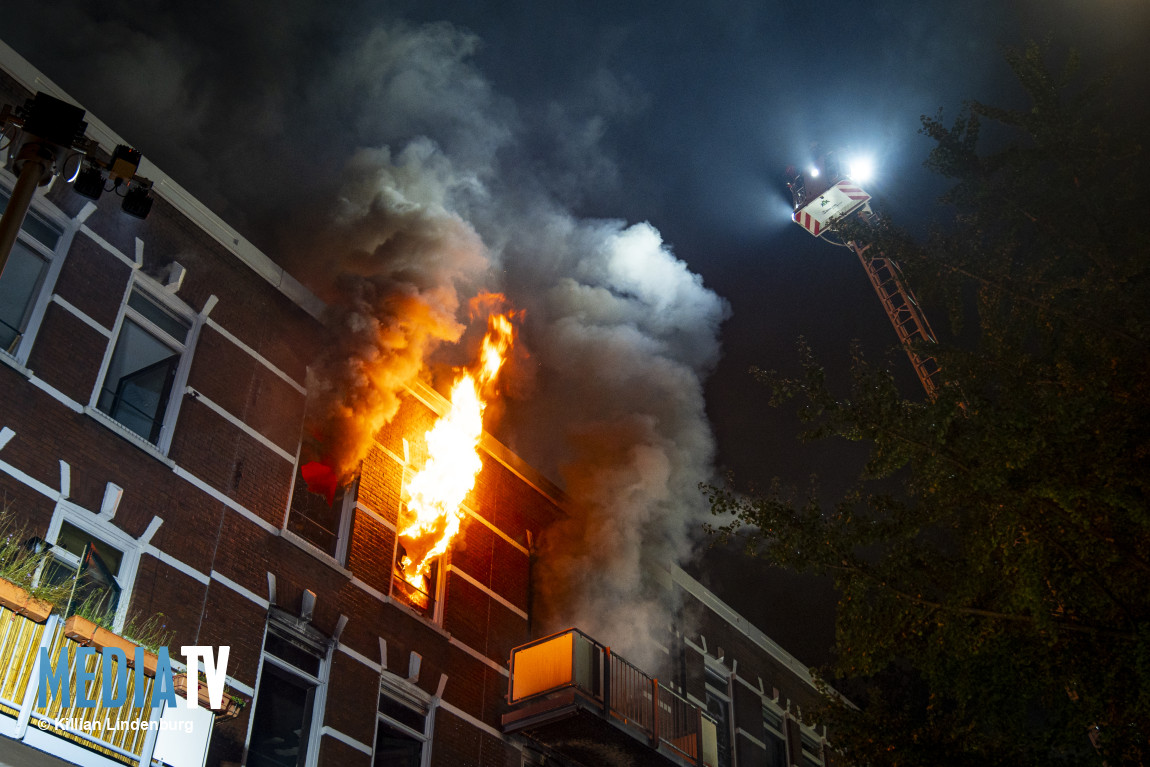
(824, 196)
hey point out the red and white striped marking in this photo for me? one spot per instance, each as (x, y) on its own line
(840, 200)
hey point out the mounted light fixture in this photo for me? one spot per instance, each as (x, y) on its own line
(138, 200)
(48, 135)
(89, 182)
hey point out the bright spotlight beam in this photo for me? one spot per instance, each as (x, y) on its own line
(861, 169)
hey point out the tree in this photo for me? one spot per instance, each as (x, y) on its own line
(993, 562)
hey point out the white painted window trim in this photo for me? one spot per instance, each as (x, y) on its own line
(55, 263)
(724, 694)
(98, 527)
(319, 700)
(155, 292)
(810, 732)
(389, 682)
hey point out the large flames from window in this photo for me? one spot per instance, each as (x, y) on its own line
(435, 494)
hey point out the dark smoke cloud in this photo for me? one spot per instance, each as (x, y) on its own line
(379, 163)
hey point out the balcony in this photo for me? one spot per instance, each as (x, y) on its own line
(102, 735)
(575, 696)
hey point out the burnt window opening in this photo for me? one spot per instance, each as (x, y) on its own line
(325, 525)
(292, 673)
(421, 599)
(402, 721)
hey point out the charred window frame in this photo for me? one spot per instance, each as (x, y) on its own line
(402, 726)
(775, 736)
(146, 368)
(429, 601)
(320, 522)
(31, 269)
(718, 694)
(287, 713)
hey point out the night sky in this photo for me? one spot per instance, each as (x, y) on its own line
(680, 114)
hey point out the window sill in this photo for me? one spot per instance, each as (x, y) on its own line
(14, 363)
(309, 548)
(111, 423)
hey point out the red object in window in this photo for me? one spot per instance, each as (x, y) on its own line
(320, 479)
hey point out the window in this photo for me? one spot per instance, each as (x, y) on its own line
(292, 672)
(719, 707)
(401, 725)
(812, 749)
(99, 558)
(421, 596)
(775, 732)
(90, 565)
(142, 371)
(321, 520)
(24, 275)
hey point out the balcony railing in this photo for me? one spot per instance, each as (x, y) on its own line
(572, 661)
(114, 732)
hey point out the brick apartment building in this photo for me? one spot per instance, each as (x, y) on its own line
(151, 406)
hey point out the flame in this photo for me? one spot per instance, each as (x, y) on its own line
(436, 493)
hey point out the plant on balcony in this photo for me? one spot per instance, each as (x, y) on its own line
(91, 624)
(19, 564)
(151, 634)
(231, 705)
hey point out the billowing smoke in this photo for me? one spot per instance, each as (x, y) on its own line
(403, 257)
(382, 167)
(621, 334)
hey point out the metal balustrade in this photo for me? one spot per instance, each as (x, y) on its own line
(650, 710)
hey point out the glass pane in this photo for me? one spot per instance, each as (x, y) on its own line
(139, 380)
(401, 713)
(292, 653)
(35, 224)
(74, 540)
(18, 286)
(776, 751)
(719, 708)
(395, 749)
(94, 592)
(176, 327)
(281, 720)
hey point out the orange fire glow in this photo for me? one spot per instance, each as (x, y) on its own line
(436, 493)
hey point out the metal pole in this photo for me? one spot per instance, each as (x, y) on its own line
(33, 167)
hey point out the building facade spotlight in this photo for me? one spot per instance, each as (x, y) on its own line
(89, 183)
(137, 201)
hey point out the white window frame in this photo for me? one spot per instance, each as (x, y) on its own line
(319, 699)
(155, 292)
(38, 303)
(806, 733)
(406, 694)
(724, 694)
(96, 526)
(770, 730)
